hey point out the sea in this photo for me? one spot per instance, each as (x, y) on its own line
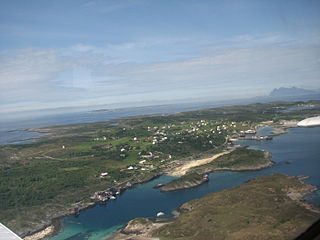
(12, 131)
(294, 153)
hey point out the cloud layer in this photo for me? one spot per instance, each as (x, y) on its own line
(93, 52)
(84, 75)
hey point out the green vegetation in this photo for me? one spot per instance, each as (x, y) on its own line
(239, 159)
(259, 209)
(140, 221)
(186, 181)
(64, 167)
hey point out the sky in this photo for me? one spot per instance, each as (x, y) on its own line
(80, 53)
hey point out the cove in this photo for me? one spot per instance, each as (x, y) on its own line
(294, 153)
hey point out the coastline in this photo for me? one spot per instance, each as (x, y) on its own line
(146, 229)
(141, 228)
(197, 182)
(174, 169)
(51, 220)
(42, 231)
(283, 128)
(34, 232)
(181, 170)
(243, 169)
(48, 231)
(185, 182)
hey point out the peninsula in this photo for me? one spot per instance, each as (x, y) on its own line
(265, 208)
(240, 159)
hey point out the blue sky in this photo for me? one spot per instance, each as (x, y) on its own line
(78, 53)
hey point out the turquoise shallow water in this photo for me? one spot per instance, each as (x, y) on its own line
(300, 146)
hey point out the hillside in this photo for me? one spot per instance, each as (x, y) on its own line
(265, 208)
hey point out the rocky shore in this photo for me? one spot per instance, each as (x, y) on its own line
(241, 169)
(50, 225)
(42, 234)
(278, 131)
(45, 228)
(275, 202)
(185, 182)
(140, 229)
(50, 222)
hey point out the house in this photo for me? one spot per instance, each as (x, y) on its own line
(150, 156)
(104, 174)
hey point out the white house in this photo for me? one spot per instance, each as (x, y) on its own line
(104, 174)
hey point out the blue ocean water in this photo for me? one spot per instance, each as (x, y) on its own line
(12, 131)
(295, 153)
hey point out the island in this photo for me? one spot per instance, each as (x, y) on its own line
(73, 167)
(265, 208)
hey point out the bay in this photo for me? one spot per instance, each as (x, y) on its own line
(294, 153)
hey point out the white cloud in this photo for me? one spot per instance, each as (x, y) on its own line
(28, 66)
(85, 75)
(233, 68)
(82, 48)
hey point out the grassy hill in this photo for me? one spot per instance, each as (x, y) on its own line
(260, 209)
(238, 160)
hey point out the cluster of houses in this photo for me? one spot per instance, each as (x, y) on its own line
(243, 135)
(259, 138)
(161, 134)
(197, 129)
(249, 131)
(110, 194)
(143, 164)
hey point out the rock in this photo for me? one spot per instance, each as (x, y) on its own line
(137, 226)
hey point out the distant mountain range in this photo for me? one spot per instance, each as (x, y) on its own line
(293, 91)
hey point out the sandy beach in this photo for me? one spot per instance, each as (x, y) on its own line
(42, 234)
(181, 170)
